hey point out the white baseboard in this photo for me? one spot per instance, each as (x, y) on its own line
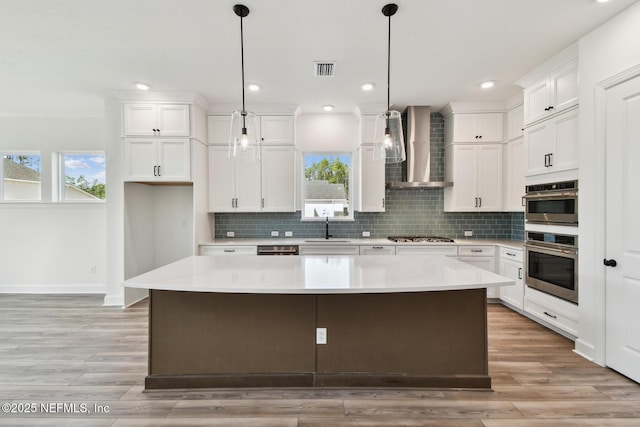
(586, 350)
(114, 300)
(52, 289)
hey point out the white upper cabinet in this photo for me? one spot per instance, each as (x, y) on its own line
(278, 178)
(372, 175)
(367, 129)
(552, 145)
(274, 130)
(476, 127)
(156, 120)
(514, 176)
(476, 173)
(234, 185)
(157, 159)
(515, 123)
(552, 94)
(277, 130)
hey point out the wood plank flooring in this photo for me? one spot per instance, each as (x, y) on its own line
(58, 350)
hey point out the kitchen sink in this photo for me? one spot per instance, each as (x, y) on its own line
(327, 241)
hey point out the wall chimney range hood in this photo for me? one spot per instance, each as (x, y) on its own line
(418, 148)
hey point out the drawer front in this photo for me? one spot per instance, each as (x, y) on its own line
(477, 250)
(329, 250)
(557, 312)
(378, 250)
(512, 254)
(228, 250)
(427, 250)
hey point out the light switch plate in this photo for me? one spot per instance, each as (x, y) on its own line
(366, 234)
(468, 233)
(231, 234)
(275, 233)
(321, 335)
(288, 234)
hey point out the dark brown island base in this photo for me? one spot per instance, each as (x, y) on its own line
(210, 339)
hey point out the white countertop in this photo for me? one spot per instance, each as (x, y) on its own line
(351, 241)
(333, 274)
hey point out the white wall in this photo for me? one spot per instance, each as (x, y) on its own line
(47, 247)
(327, 132)
(610, 49)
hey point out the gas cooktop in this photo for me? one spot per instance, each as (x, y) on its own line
(420, 239)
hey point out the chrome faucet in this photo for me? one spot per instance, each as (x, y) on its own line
(326, 230)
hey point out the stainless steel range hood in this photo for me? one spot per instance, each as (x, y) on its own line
(417, 135)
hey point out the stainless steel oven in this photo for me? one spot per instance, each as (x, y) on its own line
(554, 203)
(552, 264)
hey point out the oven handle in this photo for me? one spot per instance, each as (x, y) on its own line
(551, 195)
(541, 248)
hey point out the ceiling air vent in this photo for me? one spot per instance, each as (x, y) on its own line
(324, 69)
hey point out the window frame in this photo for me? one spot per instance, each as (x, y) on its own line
(4, 153)
(351, 181)
(60, 181)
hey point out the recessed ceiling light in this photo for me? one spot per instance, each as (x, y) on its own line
(327, 107)
(253, 87)
(603, 1)
(487, 84)
(142, 86)
(367, 86)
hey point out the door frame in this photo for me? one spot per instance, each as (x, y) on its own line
(596, 350)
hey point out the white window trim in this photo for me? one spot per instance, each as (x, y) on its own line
(350, 195)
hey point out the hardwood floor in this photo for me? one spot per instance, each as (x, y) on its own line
(68, 355)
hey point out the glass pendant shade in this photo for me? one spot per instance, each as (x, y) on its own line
(243, 140)
(389, 140)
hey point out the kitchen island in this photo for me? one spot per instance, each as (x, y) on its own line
(303, 321)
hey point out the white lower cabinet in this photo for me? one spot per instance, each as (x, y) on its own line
(378, 250)
(228, 250)
(561, 315)
(427, 250)
(329, 249)
(511, 266)
(483, 257)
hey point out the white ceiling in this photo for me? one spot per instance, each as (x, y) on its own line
(63, 57)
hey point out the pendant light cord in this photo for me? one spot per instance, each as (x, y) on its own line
(244, 112)
(389, 66)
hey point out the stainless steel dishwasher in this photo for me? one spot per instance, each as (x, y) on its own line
(278, 250)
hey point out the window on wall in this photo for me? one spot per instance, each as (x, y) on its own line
(82, 177)
(21, 177)
(327, 186)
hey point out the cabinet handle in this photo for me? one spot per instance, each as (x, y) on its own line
(553, 316)
(377, 247)
(263, 202)
(520, 273)
(550, 107)
(523, 199)
(229, 250)
(155, 169)
(550, 159)
(510, 253)
(159, 174)
(479, 202)
(476, 250)
(476, 205)
(383, 202)
(236, 199)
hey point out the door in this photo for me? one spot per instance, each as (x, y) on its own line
(141, 159)
(174, 160)
(538, 142)
(623, 229)
(140, 119)
(173, 120)
(278, 179)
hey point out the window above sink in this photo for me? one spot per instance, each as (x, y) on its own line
(327, 186)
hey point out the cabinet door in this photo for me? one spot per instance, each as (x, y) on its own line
(565, 88)
(173, 120)
(139, 119)
(465, 172)
(489, 127)
(278, 179)
(537, 99)
(141, 159)
(514, 176)
(372, 195)
(276, 130)
(515, 122)
(221, 180)
(174, 160)
(565, 154)
(248, 186)
(218, 129)
(367, 129)
(513, 295)
(464, 128)
(489, 181)
(485, 263)
(538, 142)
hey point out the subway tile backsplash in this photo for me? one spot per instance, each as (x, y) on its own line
(408, 212)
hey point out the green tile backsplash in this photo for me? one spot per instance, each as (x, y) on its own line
(408, 212)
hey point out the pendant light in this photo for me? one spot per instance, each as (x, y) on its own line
(243, 140)
(389, 141)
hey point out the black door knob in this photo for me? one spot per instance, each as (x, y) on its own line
(610, 262)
